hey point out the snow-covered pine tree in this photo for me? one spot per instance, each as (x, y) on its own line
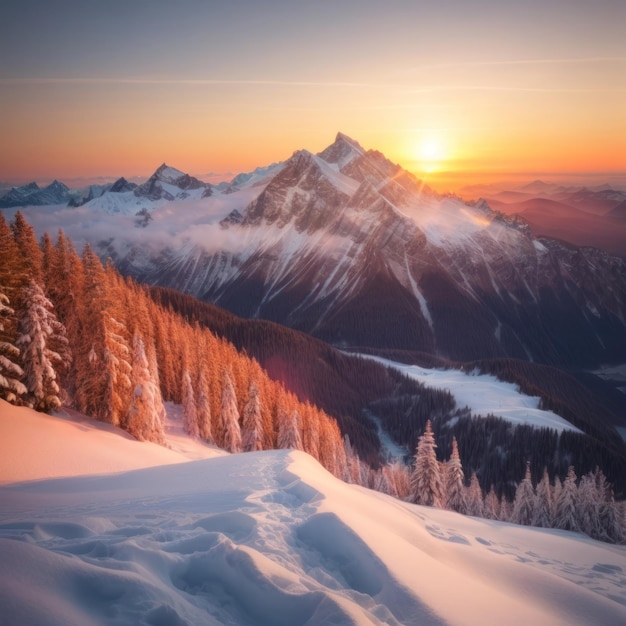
(588, 509)
(153, 368)
(398, 474)
(556, 494)
(475, 503)
(611, 521)
(353, 473)
(231, 431)
(289, 430)
(103, 354)
(146, 408)
(491, 509)
(311, 432)
(524, 503)
(190, 412)
(565, 515)
(506, 508)
(11, 373)
(426, 482)
(43, 349)
(543, 511)
(203, 406)
(380, 482)
(454, 481)
(252, 435)
(11, 387)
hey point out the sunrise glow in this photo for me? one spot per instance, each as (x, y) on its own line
(474, 93)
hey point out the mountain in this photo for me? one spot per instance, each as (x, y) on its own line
(121, 185)
(262, 538)
(618, 212)
(32, 194)
(355, 250)
(593, 201)
(169, 183)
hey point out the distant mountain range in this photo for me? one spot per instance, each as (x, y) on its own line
(166, 183)
(355, 250)
(582, 216)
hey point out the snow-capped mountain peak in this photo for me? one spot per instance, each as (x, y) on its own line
(168, 183)
(168, 174)
(343, 150)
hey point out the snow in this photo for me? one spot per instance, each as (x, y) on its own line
(169, 174)
(271, 538)
(484, 394)
(343, 183)
(35, 445)
(418, 294)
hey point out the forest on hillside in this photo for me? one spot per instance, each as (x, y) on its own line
(75, 332)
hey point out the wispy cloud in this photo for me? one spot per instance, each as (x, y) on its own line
(406, 88)
(512, 62)
(185, 81)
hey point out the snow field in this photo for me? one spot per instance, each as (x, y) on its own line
(484, 394)
(272, 538)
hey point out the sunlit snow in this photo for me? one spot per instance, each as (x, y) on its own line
(272, 538)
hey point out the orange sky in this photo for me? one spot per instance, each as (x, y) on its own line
(459, 97)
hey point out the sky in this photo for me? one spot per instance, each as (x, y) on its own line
(458, 92)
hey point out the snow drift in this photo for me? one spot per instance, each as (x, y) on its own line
(268, 538)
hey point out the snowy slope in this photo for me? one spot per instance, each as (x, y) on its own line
(484, 394)
(272, 538)
(36, 446)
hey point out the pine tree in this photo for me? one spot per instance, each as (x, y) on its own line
(524, 503)
(253, 421)
(610, 520)
(399, 477)
(311, 432)
(491, 510)
(353, 473)
(29, 266)
(475, 504)
(565, 516)
(11, 387)
(203, 406)
(144, 415)
(454, 481)
(289, 430)
(103, 354)
(426, 483)
(10, 262)
(230, 416)
(543, 510)
(43, 348)
(190, 412)
(588, 509)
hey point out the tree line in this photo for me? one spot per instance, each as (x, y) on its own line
(587, 505)
(74, 332)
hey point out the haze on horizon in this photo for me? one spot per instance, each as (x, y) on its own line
(457, 92)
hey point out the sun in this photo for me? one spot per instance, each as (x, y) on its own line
(430, 153)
